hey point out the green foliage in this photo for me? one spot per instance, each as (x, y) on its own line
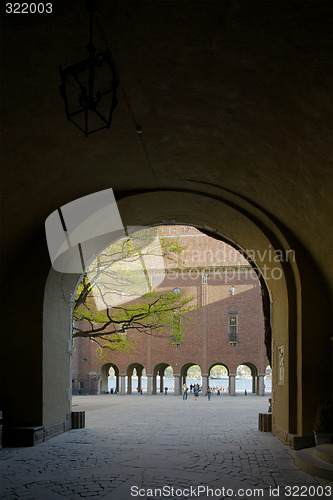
(194, 371)
(168, 372)
(113, 342)
(116, 295)
(244, 370)
(218, 371)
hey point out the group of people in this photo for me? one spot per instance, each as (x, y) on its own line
(111, 391)
(196, 389)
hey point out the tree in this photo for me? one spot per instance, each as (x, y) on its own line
(118, 292)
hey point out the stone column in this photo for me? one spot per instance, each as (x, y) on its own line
(129, 384)
(178, 390)
(232, 384)
(103, 381)
(122, 384)
(254, 385)
(161, 382)
(149, 384)
(261, 384)
(139, 374)
(154, 384)
(204, 379)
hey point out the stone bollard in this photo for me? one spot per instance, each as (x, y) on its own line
(78, 419)
(265, 422)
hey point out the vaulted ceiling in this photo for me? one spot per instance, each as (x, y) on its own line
(231, 96)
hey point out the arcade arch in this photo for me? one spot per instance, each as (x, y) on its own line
(219, 377)
(257, 379)
(245, 227)
(108, 370)
(136, 370)
(191, 373)
(159, 378)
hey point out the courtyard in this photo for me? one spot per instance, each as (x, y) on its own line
(160, 447)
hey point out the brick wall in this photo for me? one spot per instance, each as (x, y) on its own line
(205, 340)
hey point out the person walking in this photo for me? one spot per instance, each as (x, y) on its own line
(184, 391)
(196, 391)
(209, 393)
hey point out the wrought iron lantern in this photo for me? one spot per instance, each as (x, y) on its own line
(89, 87)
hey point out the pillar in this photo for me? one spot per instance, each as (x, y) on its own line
(139, 374)
(149, 384)
(122, 384)
(129, 384)
(103, 383)
(178, 390)
(232, 384)
(254, 385)
(154, 384)
(261, 384)
(161, 382)
(204, 379)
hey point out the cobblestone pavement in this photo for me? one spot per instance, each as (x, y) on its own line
(134, 446)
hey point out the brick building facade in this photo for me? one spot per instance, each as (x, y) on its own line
(226, 329)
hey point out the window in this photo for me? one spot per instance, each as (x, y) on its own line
(233, 327)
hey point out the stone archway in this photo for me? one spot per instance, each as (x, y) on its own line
(159, 371)
(257, 378)
(230, 169)
(138, 368)
(224, 384)
(253, 233)
(184, 374)
(104, 374)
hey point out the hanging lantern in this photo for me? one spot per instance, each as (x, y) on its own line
(89, 88)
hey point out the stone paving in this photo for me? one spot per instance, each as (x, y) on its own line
(160, 447)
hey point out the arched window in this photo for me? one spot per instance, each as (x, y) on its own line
(233, 327)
